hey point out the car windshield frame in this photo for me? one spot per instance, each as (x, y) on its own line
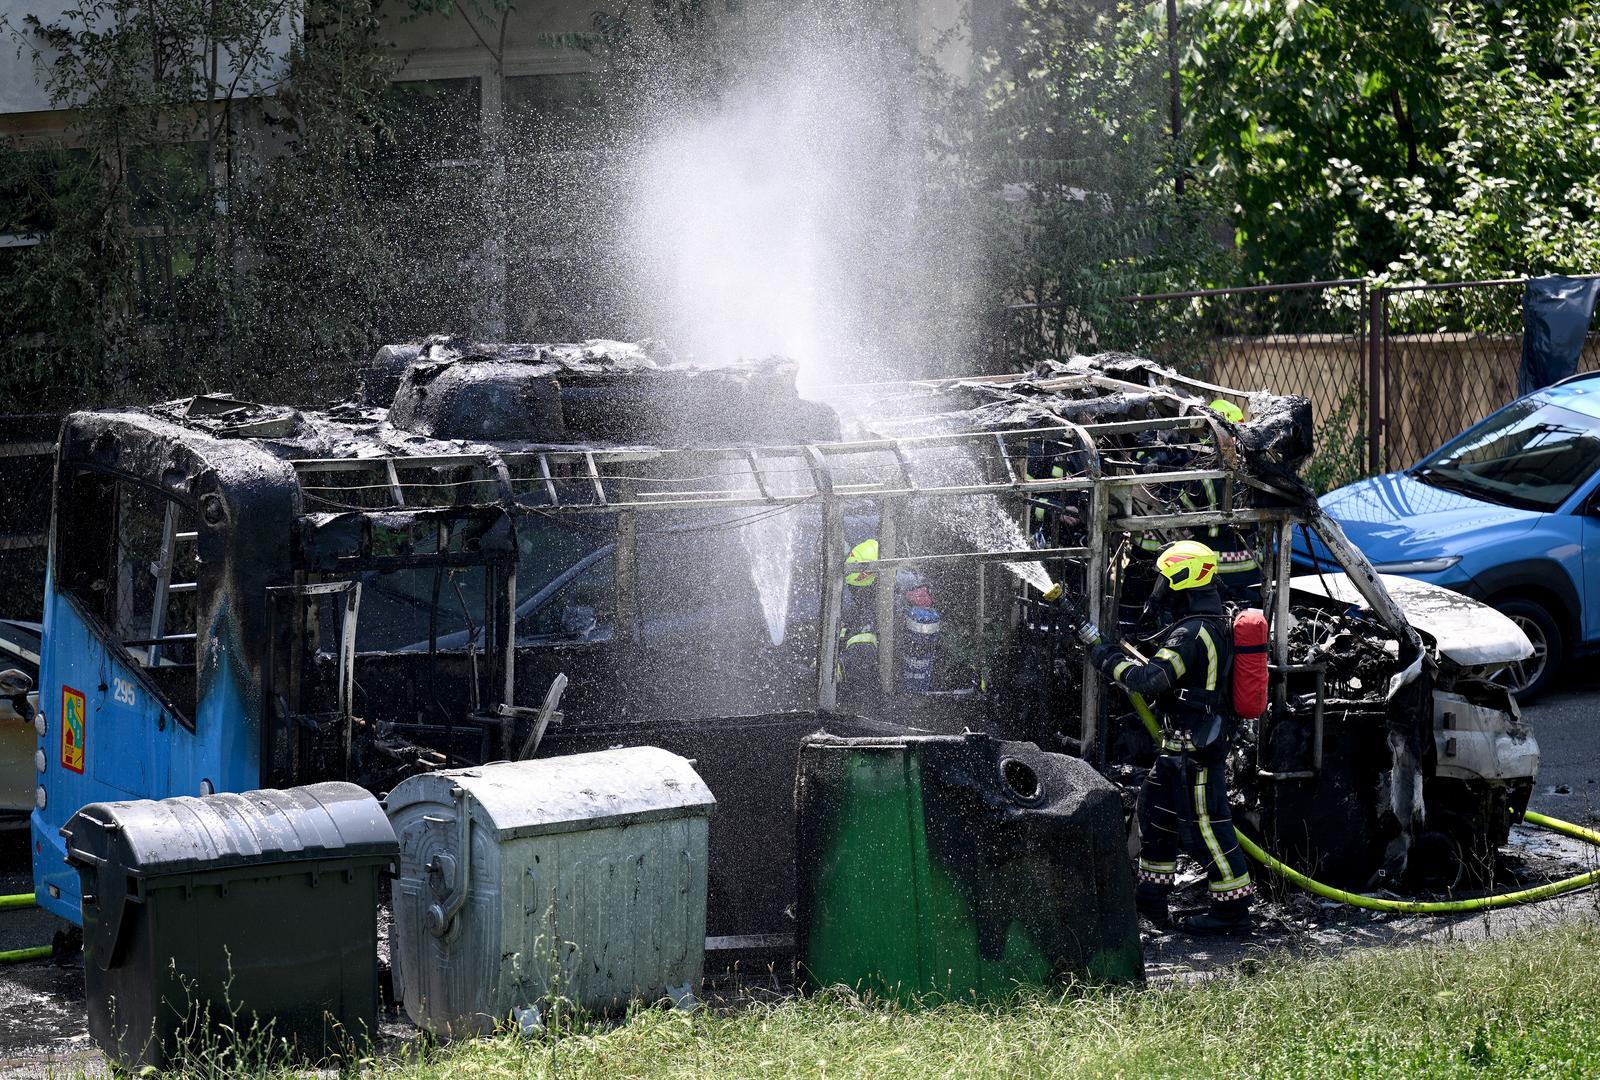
(1450, 467)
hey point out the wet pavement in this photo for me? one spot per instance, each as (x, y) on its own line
(1300, 924)
(41, 1003)
(1566, 722)
(42, 1025)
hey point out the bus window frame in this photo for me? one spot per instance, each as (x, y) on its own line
(63, 573)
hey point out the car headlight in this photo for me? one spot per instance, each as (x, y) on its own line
(1419, 566)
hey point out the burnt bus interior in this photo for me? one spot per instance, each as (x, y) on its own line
(627, 574)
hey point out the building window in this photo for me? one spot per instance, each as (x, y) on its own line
(555, 113)
(167, 186)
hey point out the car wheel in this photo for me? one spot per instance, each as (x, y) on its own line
(1529, 678)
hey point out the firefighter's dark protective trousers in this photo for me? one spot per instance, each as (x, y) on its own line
(1183, 806)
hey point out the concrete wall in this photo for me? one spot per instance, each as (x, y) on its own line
(541, 39)
(22, 92)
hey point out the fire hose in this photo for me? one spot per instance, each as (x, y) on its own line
(1412, 907)
(22, 956)
(1440, 907)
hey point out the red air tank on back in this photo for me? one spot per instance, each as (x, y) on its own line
(1249, 663)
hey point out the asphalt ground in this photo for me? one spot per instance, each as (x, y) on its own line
(1566, 722)
(42, 1021)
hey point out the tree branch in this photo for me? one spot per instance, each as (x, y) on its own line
(467, 16)
(1407, 131)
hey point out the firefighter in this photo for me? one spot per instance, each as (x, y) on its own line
(1183, 804)
(857, 668)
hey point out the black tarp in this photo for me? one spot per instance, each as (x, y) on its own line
(1555, 319)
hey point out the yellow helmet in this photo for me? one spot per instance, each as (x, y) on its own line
(866, 551)
(1227, 410)
(1187, 564)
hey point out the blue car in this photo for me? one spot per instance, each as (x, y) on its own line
(1507, 512)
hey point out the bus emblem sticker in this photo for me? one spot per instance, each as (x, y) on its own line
(73, 721)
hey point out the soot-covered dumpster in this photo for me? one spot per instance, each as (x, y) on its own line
(249, 914)
(581, 876)
(954, 866)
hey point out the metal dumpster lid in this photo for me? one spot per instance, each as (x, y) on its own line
(151, 838)
(566, 794)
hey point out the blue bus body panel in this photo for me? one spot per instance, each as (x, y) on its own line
(132, 747)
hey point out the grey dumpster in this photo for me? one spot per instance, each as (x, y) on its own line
(582, 877)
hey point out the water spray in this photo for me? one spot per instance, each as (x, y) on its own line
(783, 214)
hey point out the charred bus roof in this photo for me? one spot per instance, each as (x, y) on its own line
(610, 425)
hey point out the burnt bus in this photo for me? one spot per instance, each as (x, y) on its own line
(243, 596)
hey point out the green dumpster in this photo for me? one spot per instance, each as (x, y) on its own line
(959, 867)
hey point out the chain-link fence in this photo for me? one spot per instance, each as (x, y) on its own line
(1448, 356)
(1391, 371)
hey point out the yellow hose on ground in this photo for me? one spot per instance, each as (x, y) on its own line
(1441, 907)
(18, 900)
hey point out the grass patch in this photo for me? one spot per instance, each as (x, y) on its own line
(1529, 1003)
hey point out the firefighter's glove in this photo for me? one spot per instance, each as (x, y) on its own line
(1089, 634)
(1105, 656)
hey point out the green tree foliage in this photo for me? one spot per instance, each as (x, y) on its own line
(1432, 139)
(313, 232)
(1075, 137)
(1515, 187)
(225, 214)
(129, 215)
(48, 292)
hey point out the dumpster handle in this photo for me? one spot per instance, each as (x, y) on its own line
(442, 914)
